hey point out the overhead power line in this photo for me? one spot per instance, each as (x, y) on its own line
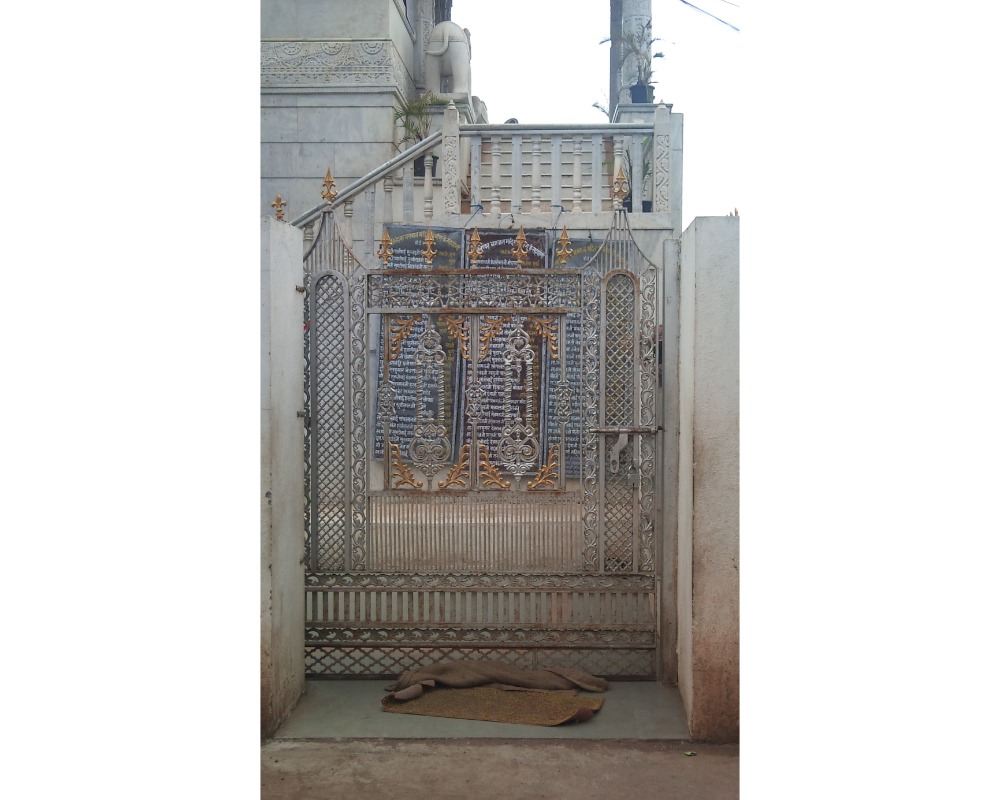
(703, 11)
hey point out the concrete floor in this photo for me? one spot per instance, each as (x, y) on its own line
(353, 710)
(339, 741)
(484, 769)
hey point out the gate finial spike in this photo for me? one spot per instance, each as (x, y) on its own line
(329, 192)
(619, 188)
(474, 252)
(385, 248)
(429, 252)
(520, 247)
(279, 207)
(564, 251)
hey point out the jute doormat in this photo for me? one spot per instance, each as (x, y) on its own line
(490, 704)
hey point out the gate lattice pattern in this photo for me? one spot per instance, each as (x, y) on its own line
(504, 508)
(330, 422)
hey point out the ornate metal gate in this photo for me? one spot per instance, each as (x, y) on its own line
(480, 448)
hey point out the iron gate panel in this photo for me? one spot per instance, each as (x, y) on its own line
(480, 449)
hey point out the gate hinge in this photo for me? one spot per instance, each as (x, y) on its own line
(299, 288)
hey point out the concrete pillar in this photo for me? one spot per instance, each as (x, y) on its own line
(636, 15)
(708, 470)
(282, 607)
(615, 77)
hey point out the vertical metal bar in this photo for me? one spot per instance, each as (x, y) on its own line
(384, 324)
(636, 418)
(314, 465)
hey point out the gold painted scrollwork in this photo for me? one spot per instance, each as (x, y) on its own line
(399, 329)
(548, 329)
(492, 474)
(401, 473)
(458, 326)
(459, 473)
(489, 328)
(549, 473)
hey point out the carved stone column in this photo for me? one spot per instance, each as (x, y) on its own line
(449, 147)
(424, 23)
(661, 158)
(636, 15)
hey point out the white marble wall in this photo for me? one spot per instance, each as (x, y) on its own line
(331, 74)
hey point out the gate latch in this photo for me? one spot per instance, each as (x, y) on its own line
(617, 450)
(623, 434)
(629, 429)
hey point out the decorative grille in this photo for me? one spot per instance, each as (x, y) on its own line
(330, 422)
(478, 410)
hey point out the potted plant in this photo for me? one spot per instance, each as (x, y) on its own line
(647, 205)
(638, 46)
(414, 119)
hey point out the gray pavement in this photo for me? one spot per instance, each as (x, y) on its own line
(339, 743)
(442, 769)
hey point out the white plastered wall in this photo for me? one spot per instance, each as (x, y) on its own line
(331, 74)
(282, 612)
(708, 494)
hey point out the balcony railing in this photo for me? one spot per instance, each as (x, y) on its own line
(517, 169)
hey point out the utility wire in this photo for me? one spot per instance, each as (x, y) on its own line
(703, 11)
